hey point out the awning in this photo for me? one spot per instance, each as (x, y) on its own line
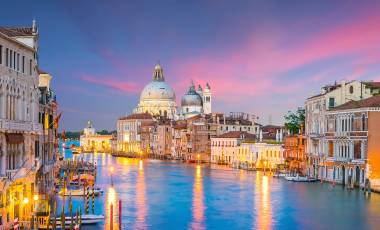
(14, 138)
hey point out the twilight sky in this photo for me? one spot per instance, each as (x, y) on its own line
(263, 57)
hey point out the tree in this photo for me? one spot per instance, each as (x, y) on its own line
(293, 120)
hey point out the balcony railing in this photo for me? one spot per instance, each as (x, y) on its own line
(25, 126)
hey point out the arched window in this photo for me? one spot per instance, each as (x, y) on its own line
(351, 89)
(363, 122)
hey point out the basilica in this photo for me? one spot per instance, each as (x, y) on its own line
(158, 99)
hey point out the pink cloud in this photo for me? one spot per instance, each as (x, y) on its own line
(128, 87)
(258, 66)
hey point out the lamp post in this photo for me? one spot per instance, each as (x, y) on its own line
(111, 170)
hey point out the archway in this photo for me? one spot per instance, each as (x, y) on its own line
(357, 176)
(343, 175)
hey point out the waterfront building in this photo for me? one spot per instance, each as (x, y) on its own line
(224, 147)
(157, 98)
(273, 133)
(134, 133)
(200, 130)
(236, 121)
(90, 141)
(47, 143)
(315, 112)
(352, 143)
(196, 102)
(180, 140)
(161, 142)
(27, 127)
(294, 152)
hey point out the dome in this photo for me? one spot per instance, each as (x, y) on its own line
(157, 90)
(191, 98)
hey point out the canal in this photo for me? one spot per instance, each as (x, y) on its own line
(169, 195)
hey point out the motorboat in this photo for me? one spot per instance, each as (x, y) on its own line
(299, 178)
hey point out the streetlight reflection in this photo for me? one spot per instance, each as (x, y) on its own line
(198, 205)
(262, 202)
(140, 199)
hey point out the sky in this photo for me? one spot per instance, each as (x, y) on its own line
(262, 57)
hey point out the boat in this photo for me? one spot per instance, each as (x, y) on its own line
(86, 219)
(279, 175)
(299, 178)
(79, 192)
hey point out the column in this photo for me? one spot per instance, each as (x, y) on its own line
(351, 149)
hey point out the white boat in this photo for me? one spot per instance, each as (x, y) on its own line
(279, 175)
(299, 178)
(87, 219)
(79, 192)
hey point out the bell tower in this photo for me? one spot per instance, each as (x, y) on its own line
(207, 99)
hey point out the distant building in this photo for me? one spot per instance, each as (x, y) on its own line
(134, 133)
(224, 148)
(294, 152)
(236, 121)
(196, 102)
(91, 141)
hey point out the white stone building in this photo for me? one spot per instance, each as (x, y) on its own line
(315, 111)
(22, 154)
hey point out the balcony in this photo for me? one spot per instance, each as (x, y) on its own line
(20, 126)
(14, 174)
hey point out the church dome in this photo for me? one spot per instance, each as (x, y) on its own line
(158, 89)
(191, 98)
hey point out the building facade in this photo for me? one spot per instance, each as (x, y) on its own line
(315, 113)
(90, 141)
(28, 127)
(352, 143)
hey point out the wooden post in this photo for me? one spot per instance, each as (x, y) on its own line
(120, 213)
(111, 216)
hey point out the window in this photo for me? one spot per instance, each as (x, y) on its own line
(30, 67)
(351, 89)
(18, 62)
(207, 99)
(23, 64)
(6, 56)
(1, 54)
(331, 102)
(10, 58)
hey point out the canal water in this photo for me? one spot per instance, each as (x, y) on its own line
(169, 195)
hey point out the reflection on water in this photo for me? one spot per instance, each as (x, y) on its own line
(140, 198)
(166, 195)
(198, 206)
(262, 202)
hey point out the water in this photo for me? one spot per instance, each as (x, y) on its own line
(169, 195)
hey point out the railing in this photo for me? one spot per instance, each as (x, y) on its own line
(25, 126)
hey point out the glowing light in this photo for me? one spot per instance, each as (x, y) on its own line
(199, 155)
(26, 200)
(35, 197)
(141, 166)
(112, 169)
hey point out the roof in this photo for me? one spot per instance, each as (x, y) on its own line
(137, 116)
(237, 134)
(366, 103)
(372, 84)
(17, 31)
